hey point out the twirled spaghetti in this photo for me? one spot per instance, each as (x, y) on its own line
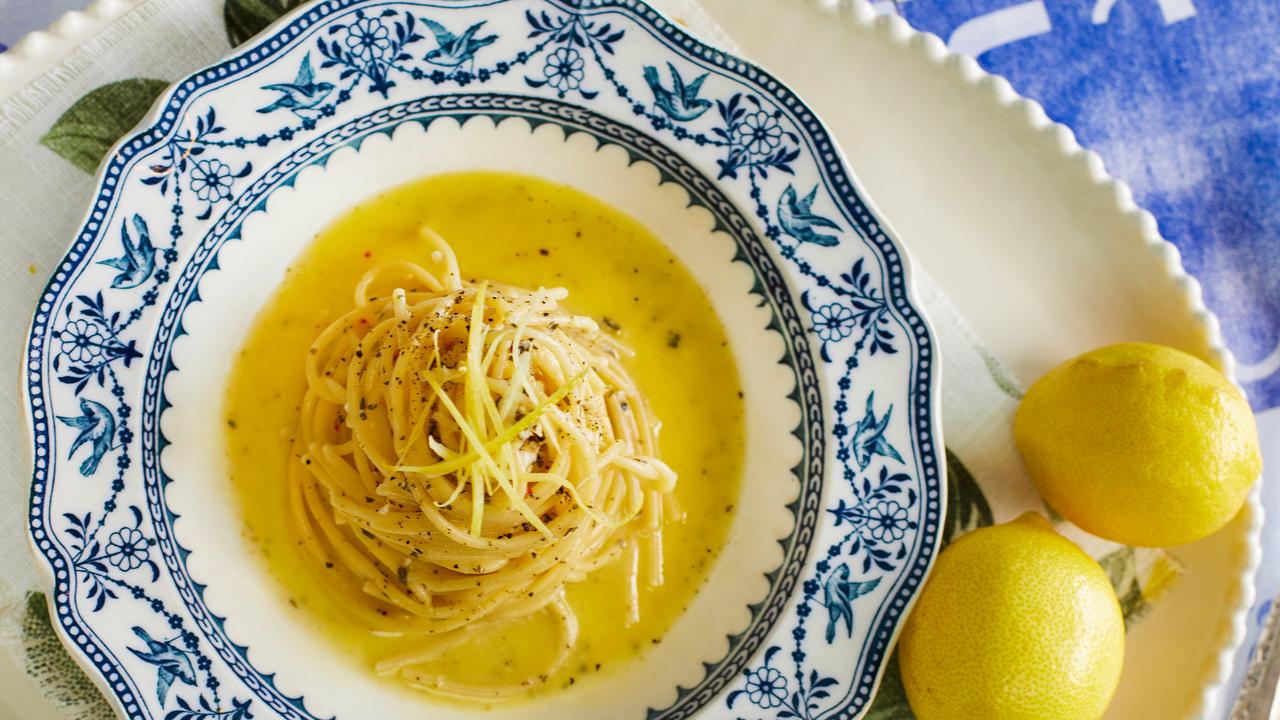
(465, 450)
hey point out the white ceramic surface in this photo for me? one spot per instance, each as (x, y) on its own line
(990, 169)
(998, 204)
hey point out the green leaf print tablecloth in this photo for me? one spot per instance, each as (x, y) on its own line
(54, 132)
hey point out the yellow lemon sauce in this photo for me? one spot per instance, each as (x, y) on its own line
(531, 233)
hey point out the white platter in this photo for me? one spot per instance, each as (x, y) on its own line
(1007, 197)
(1037, 248)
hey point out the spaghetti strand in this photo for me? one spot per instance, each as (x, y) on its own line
(465, 450)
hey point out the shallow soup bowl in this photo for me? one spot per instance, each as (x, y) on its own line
(157, 588)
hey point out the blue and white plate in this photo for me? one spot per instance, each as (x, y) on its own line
(197, 215)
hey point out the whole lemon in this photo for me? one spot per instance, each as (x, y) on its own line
(1015, 623)
(1141, 444)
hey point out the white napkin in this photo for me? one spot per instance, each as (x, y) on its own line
(42, 203)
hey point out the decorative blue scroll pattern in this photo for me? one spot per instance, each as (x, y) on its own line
(110, 549)
(566, 49)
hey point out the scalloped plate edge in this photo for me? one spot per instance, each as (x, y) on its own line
(76, 27)
(1001, 93)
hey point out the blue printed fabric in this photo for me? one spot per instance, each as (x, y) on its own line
(1181, 98)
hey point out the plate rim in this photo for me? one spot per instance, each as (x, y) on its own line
(680, 40)
(1000, 93)
(573, 119)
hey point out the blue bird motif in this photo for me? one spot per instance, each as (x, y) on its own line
(868, 436)
(304, 93)
(454, 50)
(797, 219)
(681, 102)
(838, 594)
(138, 260)
(171, 663)
(97, 427)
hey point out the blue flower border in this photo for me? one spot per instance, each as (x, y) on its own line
(921, 409)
